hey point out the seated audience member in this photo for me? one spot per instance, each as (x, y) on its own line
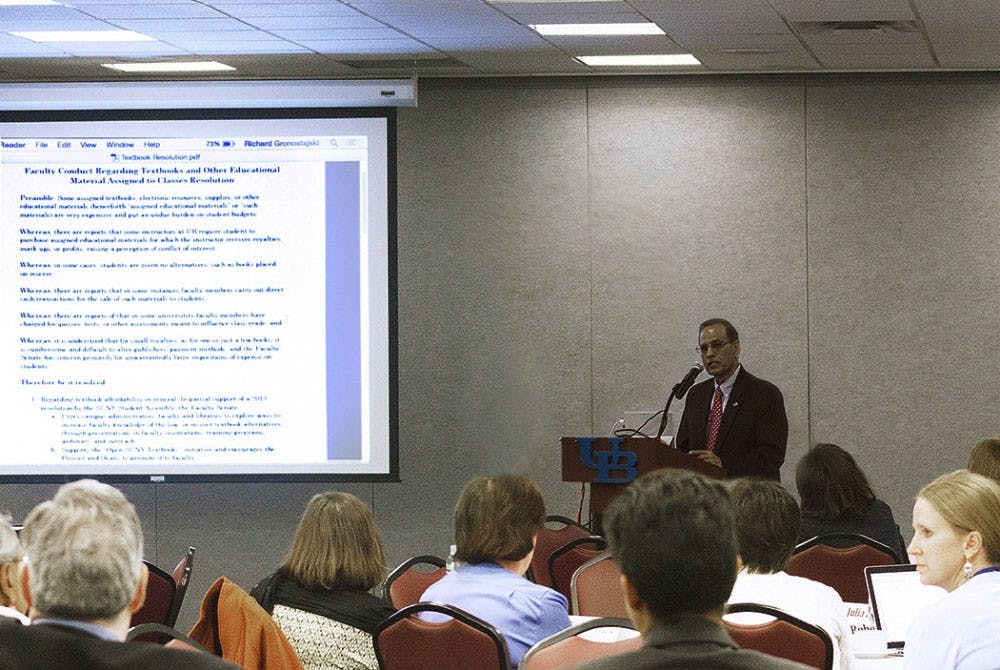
(319, 596)
(496, 522)
(956, 545)
(83, 579)
(12, 604)
(985, 459)
(837, 498)
(767, 527)
(671, 533)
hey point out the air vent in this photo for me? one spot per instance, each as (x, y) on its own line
(818, 27)
(405, 64)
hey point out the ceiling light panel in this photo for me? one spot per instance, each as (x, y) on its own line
(83, 36)
(597, 29)
(644, 60)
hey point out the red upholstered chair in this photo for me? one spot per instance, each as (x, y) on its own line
(408, 581)
(567, 648)
(465, 642)
(564, 561)
(182, 577)
(595, 588)
(557, 531)
(842, 567)
(783, 635)
(159, 597)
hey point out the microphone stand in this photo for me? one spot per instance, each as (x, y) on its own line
(666, 416)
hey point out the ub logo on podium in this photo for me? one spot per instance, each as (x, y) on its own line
(607, 462)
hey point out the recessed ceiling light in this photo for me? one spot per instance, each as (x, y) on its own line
(640, 61)
(597, 29)
(177, 66)
(18, 3)
(84, 36)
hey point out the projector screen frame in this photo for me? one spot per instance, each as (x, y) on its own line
(251, 112)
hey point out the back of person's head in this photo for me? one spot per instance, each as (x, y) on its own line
(831, 485)
(985, 458)
(671, 533)
(11, 554)
(969, 502)
(84, 551)
(497, 519)
(767, 524)
(336, 545)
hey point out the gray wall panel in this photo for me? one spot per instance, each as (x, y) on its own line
(697, 210)
(904, 279)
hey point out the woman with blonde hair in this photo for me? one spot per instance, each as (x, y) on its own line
(956, 545)
(320, 595)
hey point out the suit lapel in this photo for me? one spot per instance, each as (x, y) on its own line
(732, 408)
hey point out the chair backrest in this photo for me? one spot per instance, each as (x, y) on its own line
(564, 561)
(408, 581)
(784, 636)
(160, 591)
(182, 577)
(568, 648)
(557, 531)
(172, 637)
(595, 588)
(843, 568)
(465, 642)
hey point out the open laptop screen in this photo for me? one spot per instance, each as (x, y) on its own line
(896, 595)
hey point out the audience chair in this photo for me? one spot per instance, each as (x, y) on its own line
(843, 568)
(182, 577)
(596, 590)
(170, 636)
(564, 561)
(784, 636)
(568, 648)
(408, 581)
(159, 598)
(465, 642)
(557, 531)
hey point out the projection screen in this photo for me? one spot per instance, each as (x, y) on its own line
(198, 294)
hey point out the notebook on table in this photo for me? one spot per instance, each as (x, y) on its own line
(896, 595)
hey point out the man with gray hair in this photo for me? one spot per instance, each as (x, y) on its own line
(12, 603)
(83, 579)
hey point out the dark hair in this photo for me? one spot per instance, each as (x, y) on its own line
(497, 519)
(730, 329)
(985, 458)
(831, 484)
(336, 545)
(767, 523)
(671, 533)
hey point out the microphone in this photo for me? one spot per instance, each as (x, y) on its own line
(688, 381)
(680, 388)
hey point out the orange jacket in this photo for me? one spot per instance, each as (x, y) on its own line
(232, 625)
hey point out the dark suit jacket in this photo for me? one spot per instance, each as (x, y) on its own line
(688, 645)
(52, 647)
(754, 430)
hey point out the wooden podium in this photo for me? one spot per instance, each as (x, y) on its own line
(649, 454)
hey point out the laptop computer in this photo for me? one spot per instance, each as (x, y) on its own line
(896, 595)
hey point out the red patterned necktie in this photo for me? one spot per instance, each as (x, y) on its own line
(714, 419)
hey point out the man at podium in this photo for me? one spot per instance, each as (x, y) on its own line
(734, 420)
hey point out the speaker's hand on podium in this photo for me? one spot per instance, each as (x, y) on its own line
(707, 456)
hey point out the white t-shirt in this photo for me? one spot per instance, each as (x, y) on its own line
(959, 632)
(806, 599)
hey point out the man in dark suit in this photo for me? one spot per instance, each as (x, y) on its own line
(734, 420)
(83, 578)
(671, 533)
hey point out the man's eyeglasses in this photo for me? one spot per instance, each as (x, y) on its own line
(703, 348)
